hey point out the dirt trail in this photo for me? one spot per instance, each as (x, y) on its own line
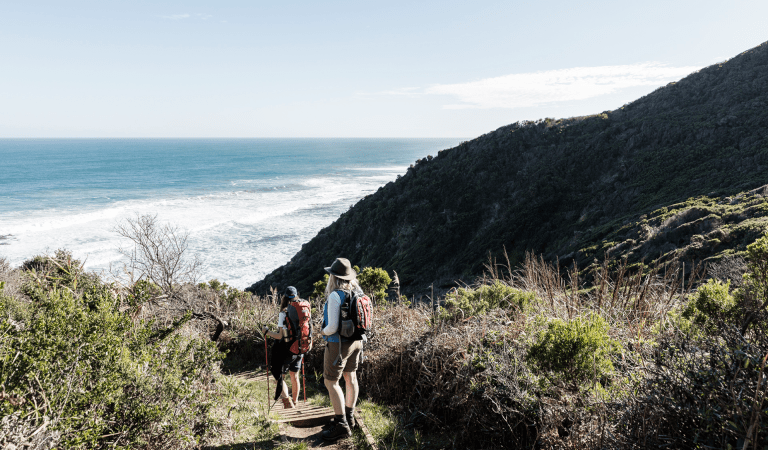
(303, 424)
(311, 435)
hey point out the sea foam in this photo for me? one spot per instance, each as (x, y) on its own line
(241, 227)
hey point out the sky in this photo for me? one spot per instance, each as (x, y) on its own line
(332, 68)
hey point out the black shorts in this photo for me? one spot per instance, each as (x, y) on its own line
(282, 360)
(293, 364)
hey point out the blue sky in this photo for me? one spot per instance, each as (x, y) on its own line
(345, 68)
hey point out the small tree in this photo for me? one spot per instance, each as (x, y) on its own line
(158, 252)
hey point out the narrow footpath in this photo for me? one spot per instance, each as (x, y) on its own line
(251, 423)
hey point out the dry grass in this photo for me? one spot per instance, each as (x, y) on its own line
(470, 378)
(626, 296)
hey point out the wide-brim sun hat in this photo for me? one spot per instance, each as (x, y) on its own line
(341, 268)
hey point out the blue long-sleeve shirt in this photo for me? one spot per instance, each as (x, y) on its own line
(331, 313)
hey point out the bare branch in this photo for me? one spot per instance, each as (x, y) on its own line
(158, 253)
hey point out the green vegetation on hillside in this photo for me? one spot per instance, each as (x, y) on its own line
(633, 361)
(629, 357)
(77, 366)
(699, 229)
(570, 188)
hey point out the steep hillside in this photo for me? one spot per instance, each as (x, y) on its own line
(562, 188)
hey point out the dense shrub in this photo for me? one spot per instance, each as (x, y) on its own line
(141, 292)
(466, 302)
(752, 297)
(711, 302)
(318, 288)
(374, 281)
(756, 277)
(99, 378)
(578, 349)
(707, 388)
(704, 399)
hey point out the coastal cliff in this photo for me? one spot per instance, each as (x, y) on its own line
(622, 181)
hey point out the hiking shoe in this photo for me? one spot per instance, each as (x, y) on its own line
(350, 418)
(340, 430)
(287, 403)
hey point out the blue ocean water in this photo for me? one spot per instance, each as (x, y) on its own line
(248, 204)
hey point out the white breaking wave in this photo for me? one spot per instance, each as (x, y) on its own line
(394, 169)
(240, 235)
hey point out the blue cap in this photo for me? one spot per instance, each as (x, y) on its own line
(290, 292)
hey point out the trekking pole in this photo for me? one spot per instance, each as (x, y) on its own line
(266, 361)
(304, 380)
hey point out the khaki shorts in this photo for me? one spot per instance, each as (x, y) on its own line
(350, 355)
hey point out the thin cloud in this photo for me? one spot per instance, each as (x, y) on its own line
(405, 92)
(538, 88)
(177, 16)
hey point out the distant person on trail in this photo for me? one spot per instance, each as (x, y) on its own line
(342, 355)
(283, 360)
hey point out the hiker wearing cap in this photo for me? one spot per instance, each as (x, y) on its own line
(282, 359)
(341, 355)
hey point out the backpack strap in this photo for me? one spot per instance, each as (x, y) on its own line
(346, 301)
(291, 322)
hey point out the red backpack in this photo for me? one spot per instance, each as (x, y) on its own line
(357, 312)
(299, 326)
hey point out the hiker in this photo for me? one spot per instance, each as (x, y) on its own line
(342, 355)
(283, 358)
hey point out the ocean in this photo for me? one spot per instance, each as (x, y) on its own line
(248, 204)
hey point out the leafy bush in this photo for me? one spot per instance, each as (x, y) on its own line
(142, 291)
(578, 349)
(466, 302)
(319, 286)
(757, 267)
(704, 399)
(374, 281)
(752, 297)
(706, 388)
(97, 377)
(711, 302)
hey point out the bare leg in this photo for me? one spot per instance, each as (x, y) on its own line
(336, 395)
(353, 389)
(284, 394)
(295, 386)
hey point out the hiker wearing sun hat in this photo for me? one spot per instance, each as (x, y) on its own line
(342, 354)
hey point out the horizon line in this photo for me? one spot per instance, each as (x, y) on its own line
(236, 137)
